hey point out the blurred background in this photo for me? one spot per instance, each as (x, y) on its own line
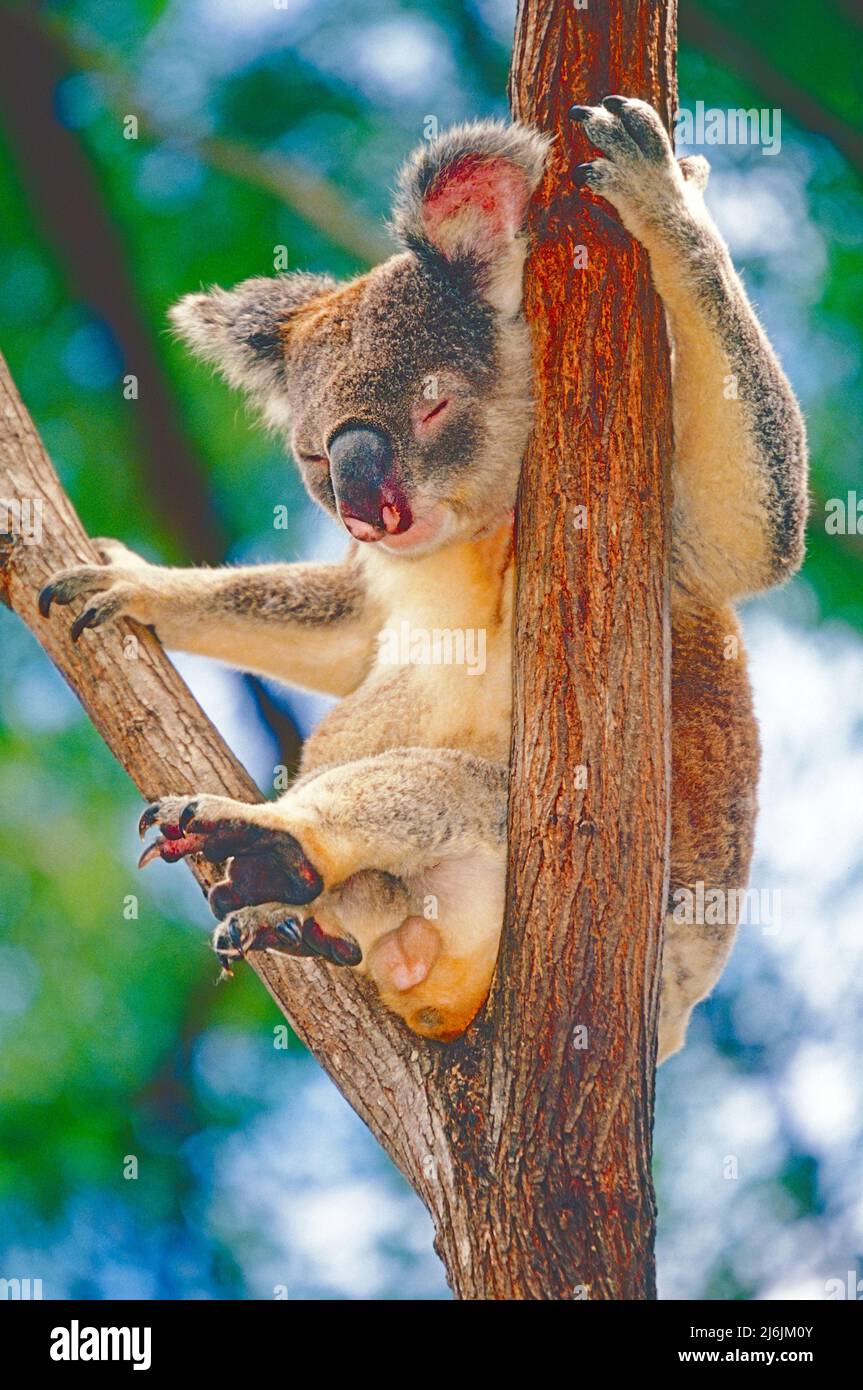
(147, 148)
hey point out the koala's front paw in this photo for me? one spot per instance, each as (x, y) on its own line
(277, 928)
(640, 176)
(113, 590)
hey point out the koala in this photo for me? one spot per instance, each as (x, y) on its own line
(405, 397)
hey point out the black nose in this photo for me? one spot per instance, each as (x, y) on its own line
(368, 491)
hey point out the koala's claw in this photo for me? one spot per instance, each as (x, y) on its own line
(267, 865)
(626, 128)
(642, 124)
(276, 928)
(82, 581)
(108, 593)
(639, 175)
(107, 606)
(272, 928)
(163, 811)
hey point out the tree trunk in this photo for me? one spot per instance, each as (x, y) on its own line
(588, 865)
(529, 1140)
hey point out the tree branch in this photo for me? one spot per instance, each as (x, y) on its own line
(160, 735)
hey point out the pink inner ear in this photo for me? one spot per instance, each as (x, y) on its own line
(495, 189)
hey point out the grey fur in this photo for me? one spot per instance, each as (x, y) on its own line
(239, 331)
(519, 144)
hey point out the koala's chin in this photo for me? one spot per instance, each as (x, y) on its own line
(431, 529)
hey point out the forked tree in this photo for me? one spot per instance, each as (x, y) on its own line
(529, 1139)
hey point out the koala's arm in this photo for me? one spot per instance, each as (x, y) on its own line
(311, 625)
(740, 497)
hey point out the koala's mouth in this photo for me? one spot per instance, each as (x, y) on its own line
(430, 525)
(386, 513)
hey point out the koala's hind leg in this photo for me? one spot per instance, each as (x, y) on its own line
(429, 944)
(434, 819)
(265, 862)
(714, 775)
(285, 929)
(740, 448)
(399, 812)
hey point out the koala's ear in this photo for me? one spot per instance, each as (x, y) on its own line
(462, 199)
(243, 331)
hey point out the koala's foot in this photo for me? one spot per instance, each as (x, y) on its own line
(278, 928)
(267, 865)
(640, 176)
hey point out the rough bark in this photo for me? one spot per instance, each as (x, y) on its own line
(588, 868)
(531, 1152)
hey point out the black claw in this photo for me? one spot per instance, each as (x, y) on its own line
(187, 815)
(235, 936)
(614, 104)
(230, 945)
(286, 936)
(290, 932)
(579, 113)
(149, 818)
(46, 598)
(89, 618)
(581, 174)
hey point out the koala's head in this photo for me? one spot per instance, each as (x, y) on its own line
(403, 394)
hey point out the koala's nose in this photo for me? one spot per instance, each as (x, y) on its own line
(369, 493)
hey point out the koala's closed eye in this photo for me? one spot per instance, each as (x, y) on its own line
(429, 417)
(435, 411)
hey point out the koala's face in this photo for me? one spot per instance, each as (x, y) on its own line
(404, 394)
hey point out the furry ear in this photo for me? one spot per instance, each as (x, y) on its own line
(243, 331)
(462, 199)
